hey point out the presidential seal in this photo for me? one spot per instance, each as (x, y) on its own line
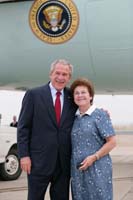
(54, 21)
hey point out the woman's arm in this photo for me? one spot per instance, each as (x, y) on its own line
(104, 150)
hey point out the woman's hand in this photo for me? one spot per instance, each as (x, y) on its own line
(87, 162)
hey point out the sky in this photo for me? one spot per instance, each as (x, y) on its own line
(118, 106)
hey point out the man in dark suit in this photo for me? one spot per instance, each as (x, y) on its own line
(14, 123)
(44, 144)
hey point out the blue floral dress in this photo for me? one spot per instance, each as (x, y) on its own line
(88, 136)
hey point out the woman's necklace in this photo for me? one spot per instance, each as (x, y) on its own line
(81, 113)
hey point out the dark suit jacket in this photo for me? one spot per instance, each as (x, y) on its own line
(14, 125)
(38, 133)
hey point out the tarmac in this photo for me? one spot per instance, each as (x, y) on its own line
(122, 157)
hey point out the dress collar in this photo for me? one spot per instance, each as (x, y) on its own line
(88, 112)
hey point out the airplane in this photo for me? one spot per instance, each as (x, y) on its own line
(101, 48)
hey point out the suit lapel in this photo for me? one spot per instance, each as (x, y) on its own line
(47, 97)
(66, 105)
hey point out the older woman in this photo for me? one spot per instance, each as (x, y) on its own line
(93, 138)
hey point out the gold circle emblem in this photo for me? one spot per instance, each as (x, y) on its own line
(54, 21)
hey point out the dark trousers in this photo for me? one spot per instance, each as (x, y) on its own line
(59, 185)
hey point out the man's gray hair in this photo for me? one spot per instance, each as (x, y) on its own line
(61, 61)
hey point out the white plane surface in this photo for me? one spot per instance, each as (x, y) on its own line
(101, 49)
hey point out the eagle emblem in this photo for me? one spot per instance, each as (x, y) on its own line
(54, 21)
(53, 16)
